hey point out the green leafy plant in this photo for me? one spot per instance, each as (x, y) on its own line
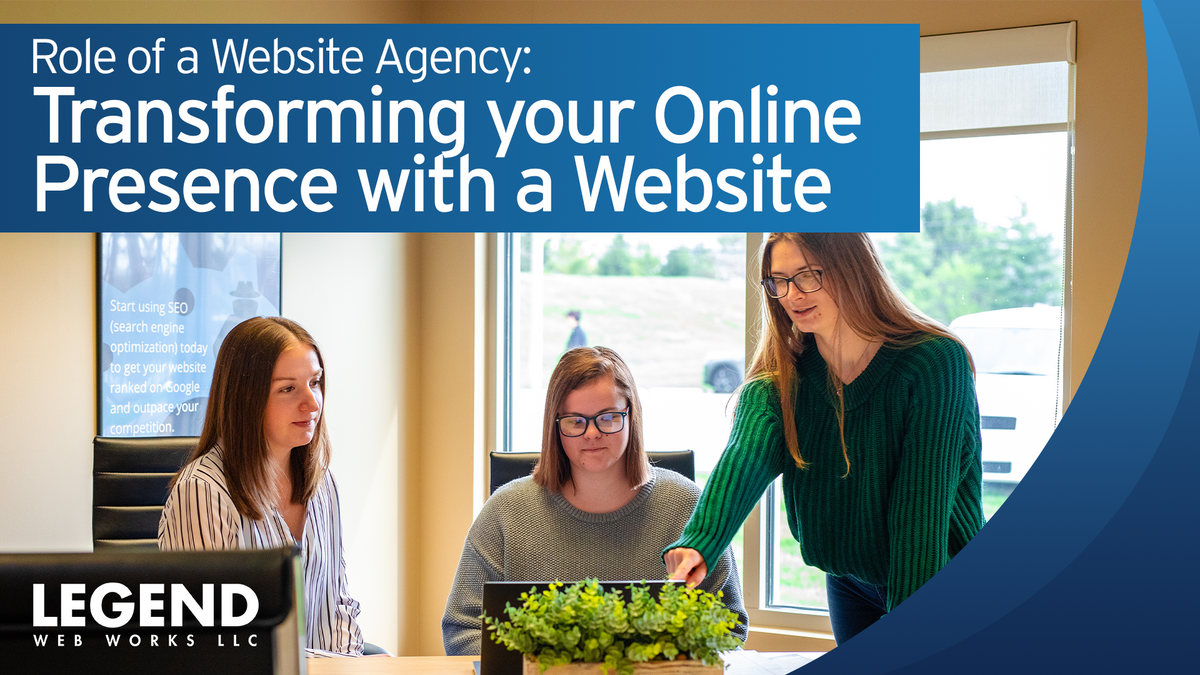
(583, 622)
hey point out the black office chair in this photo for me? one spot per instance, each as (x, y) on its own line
(130, 477)
(509, 466)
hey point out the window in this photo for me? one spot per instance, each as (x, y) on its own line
(996, 147)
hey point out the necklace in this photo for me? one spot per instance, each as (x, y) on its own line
(854, 370)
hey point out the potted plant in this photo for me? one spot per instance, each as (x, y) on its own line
(582, 628)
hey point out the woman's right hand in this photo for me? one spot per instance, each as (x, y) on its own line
(686, 564)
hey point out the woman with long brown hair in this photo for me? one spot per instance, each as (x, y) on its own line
(594, 507)
(259, 477)
(867, 408)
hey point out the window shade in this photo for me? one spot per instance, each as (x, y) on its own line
(997, 82)
(991, 48)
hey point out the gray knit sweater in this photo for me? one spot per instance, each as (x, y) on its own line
(527, 533)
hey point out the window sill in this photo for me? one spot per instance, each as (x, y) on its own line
(776, 639)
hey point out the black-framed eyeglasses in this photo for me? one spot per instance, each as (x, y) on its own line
(808, 281)
(577, 425)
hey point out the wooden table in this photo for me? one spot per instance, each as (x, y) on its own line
(461, 665)
(384, 665)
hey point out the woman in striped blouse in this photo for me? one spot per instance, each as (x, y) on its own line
(260, 478)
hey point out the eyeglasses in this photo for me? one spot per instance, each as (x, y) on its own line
(577, 425)
(808, 281)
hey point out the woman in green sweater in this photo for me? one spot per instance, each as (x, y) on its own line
(867, 407)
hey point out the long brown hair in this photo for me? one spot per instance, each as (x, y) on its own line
(866, 299)
(578, 368)
(237, 404)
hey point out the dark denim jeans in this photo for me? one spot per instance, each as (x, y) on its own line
(853, 605)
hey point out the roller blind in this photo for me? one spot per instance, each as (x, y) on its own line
(997, 82)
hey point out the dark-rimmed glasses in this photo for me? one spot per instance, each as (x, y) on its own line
(808, 281)
(577, 425)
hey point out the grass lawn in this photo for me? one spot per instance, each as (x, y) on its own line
(664, 327)
(994, 495)
(798, 585)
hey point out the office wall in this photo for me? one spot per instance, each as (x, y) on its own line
(449, 455)
(47, 391)
(349, 291)
(209, 11)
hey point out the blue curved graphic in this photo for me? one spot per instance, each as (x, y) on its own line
(1089, 565)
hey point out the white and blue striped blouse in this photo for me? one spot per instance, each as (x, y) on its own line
(200, 515)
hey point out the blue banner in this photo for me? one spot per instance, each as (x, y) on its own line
(460, 128)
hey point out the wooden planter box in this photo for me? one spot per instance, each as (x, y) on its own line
(688, 667)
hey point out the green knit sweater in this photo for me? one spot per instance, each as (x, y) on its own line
(912, 499)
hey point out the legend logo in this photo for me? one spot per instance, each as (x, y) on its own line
(149, 604)
(114, 605)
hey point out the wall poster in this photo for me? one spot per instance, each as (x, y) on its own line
(166, 302)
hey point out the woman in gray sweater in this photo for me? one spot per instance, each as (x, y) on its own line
(594, 507)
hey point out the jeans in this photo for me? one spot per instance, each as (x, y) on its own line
(853, 605)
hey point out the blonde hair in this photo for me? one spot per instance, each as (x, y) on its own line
(866, 299)
(237, 405)
(578, 368)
